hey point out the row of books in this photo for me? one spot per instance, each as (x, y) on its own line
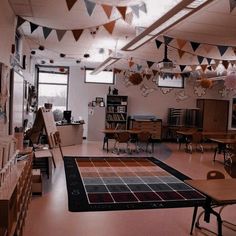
(116, 117)
(119, 109)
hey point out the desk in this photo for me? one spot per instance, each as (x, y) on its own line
(219, 191)
(70, 134)
(222, 145)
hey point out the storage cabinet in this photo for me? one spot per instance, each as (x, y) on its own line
(15, 195)
(213, 114)
(152, 126)
(116, 112)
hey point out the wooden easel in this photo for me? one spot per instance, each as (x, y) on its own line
(44, 120)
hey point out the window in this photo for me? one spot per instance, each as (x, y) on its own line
(103, 77)
(171, 81)
(53, 87)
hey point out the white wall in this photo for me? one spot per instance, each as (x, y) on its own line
(156, 103)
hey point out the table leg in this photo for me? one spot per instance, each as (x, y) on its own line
(194, 218)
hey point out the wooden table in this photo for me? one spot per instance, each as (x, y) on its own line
(218, 191)
(109, 134)
(222, 145)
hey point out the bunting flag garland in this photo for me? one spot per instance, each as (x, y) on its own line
(122, 11)
(181, 43)
(60, 34)
(89, 6)
(207, 48)
(20, 21)
(167, 39)
(110, 26)
(46, 32)
(107, 9)
(222, 49)
(194, 45)
(70, 3)
(33, 27)
(143, 8)
(158, 43)
(209, 60)
(135, 10)
(200, 59)
(154, 72)
(139, 67)
(181, 53)
(204, 67)
(182, 67)
(232, 5)
(129, 18)
(77, 34)
(150, 64)
(225, 64)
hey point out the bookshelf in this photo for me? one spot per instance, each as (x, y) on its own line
(116, 112)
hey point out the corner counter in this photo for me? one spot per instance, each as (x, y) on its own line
(70, 133)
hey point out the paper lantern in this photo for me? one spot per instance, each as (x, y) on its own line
(206, 83)
(135, 78)
(230, 81)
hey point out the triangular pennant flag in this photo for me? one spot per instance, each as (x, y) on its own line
(131, 63)
(143, 8)
(182, 67)
(46, 32)
(207, 47)
(139, 67)
(89, 6)
(214, 66)
(33, 27)
(122, 11)
(70, 3)
(154, 72)
(232, 5)
(194, 45)
(158, 43)
(20, 21)
(107, 9)
(181, 43)
(129, 18)
(204, 67)
(200, 59)
(209, 60)
(222, 49)
(217, 62)
(167, 39)
(116, 71)
(77, 34)
(225, 64)
(60, 34)
(110, 26)
(135, 10)
(193, 67)
(209, 68)
(150, 63)
(148, 76)
(181, 53)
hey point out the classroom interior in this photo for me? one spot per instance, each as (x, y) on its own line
(76, 75)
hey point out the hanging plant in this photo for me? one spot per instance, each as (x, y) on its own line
(230, 81)
(135, 78)
(206, 83)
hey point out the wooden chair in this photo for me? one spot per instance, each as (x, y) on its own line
(122, 137)
(197, 141)
(213, 174)
(143, 138)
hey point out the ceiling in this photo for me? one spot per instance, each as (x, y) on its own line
(214, 25)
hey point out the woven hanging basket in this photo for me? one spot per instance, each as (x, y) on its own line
(135, 79)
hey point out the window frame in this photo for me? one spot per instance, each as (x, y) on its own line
(40, 70)
(91, 69)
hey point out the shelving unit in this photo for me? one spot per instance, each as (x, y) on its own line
(15, 195)
(116, 112)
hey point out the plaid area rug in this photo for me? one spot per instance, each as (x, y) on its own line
(102, 184)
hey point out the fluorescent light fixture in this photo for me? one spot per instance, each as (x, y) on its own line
(178, 13)
(109, 61)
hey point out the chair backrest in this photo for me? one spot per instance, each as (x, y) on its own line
(122, 137)
(215, 174)
(144, 136)
(56, 140)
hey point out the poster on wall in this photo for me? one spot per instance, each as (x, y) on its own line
(233, 119)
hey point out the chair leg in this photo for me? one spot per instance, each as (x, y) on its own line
(193, 219)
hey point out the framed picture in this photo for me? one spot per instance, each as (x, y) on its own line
(94, 103)
(99, 100)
